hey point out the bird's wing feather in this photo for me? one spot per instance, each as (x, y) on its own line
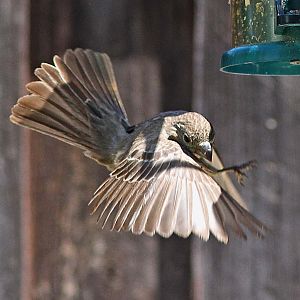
(165, 192)
(224, 180)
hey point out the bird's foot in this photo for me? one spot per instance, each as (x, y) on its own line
(241, 169)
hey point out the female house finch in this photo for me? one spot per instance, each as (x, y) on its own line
(165, 173)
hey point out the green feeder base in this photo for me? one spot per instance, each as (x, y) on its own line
(275, 58)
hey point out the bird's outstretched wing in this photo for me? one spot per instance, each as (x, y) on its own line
(76, 101)
(165, 192)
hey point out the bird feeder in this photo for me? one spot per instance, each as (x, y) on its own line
(265, 37)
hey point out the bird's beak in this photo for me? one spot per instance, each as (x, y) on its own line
(206, 150)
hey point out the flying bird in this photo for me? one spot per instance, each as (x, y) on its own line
(165, 174)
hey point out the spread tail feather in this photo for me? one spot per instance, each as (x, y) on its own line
(76, 101)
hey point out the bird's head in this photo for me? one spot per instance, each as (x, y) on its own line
(194, 134)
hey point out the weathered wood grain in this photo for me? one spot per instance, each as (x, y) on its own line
(254, 118)
(166, 57)
(12, 20)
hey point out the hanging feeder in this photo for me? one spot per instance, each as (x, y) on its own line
(265, 37)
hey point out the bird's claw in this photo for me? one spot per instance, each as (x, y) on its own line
(240, 176)
(241, 169)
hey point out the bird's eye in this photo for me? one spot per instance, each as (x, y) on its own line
(186, 138)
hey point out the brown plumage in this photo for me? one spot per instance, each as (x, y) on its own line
(165, 178)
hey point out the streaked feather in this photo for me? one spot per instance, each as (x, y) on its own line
(169, 214)
(159, 199)
(200, 214)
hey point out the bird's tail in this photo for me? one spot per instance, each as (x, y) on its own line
(76, 101)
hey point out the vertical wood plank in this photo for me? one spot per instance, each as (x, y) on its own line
(175, 34)
(254, 118)
(49, 33)
(12, 22)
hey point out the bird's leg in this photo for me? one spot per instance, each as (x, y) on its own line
(239, 170)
